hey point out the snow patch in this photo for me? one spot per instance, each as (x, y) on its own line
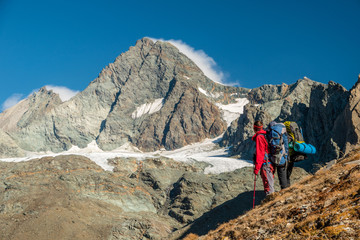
(216, 95)
(127, 147)
(148, 108)
(92, 147)
(213, 95)
(234, 110)
(203, 91)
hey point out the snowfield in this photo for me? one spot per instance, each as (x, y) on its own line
(205, 151)
(234, 110)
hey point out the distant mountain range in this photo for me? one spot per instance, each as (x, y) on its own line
(154, 97)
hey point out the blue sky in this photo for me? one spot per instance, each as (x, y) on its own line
(67, 43)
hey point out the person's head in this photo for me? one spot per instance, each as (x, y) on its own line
(258, 125)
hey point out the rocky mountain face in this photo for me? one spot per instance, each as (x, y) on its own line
(325, 113)
(150, 96)
(8, 147)
(349, 121)
(70, 197)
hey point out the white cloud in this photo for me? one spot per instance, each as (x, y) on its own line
(200, 58)
(64, 92)
(11, 101)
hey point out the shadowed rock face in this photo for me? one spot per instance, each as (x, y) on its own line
(70, 197)
(351, 118)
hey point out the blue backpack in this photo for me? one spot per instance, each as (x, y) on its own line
(278, 143)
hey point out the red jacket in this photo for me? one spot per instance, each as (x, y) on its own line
(262, 147)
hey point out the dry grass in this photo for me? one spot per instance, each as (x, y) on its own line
(191, 236)
(322, 206)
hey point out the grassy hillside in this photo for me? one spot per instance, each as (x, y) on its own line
(322, 206)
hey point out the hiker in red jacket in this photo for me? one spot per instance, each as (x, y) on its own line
(261, 161)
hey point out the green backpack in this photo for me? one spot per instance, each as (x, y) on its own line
(295, 136)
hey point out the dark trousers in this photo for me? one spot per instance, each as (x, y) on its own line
(284, 173)
(290, 166)
(284, 178)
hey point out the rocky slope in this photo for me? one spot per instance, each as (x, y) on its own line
(151, 96)
(70, 197)
(323, 206)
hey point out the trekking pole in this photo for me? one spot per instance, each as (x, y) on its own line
(254, 192)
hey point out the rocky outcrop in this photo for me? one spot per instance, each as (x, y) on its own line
(268, 103)
(40, 103)
(191, 117)
(321, 119)
(27, 125)
(8, 147)
(349, 121)
(287, 97)
(268, 93)
(70, 197)
(239, 134)
(323, 111)
(354, 101)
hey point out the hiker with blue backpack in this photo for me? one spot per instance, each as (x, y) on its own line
(286, 146)
(261, 158)
(279, 151)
